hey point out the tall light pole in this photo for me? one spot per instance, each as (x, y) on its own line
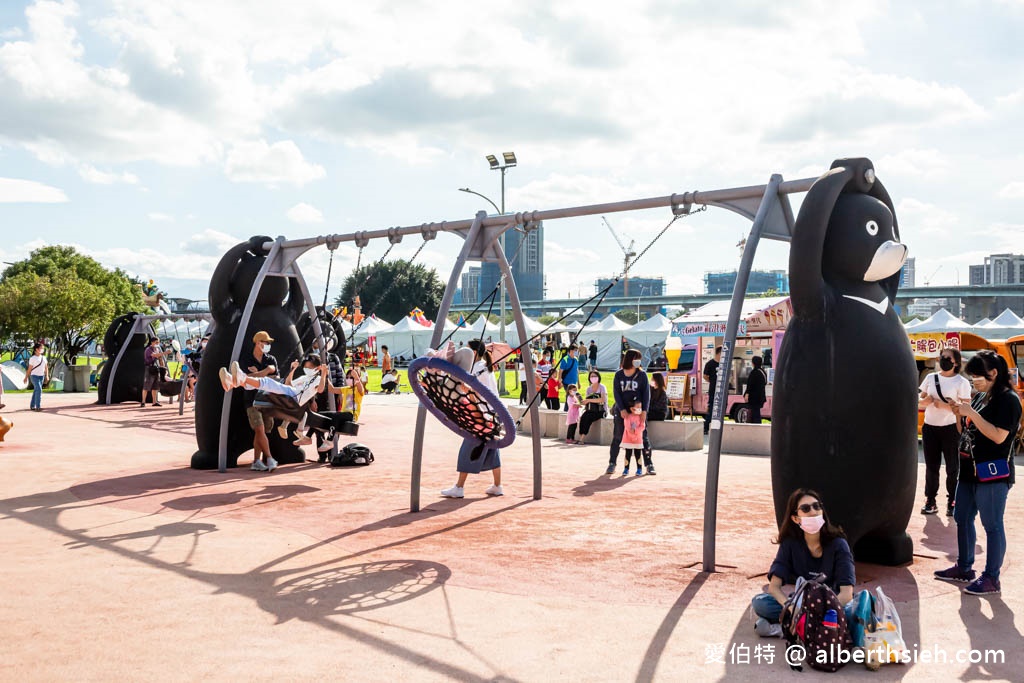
(508, 161)
(642, 288)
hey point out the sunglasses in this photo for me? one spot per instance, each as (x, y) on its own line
(807, 507)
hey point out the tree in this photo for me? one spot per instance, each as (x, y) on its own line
(393, 288)
(547, 319)
(66, 297)
(626, 315)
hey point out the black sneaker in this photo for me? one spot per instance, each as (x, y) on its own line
(610, 470)
(930, 508)
(949, 510)
(650, 470)
(955, 575)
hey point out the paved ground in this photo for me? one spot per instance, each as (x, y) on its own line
(120, 562)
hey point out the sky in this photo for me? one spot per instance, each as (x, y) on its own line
(154, 135)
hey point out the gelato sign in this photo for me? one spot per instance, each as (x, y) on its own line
(684, 330)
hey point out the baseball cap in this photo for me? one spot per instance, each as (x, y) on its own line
(261, 336)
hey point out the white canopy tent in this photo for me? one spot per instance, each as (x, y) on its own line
(480, 327)
(1006, 324)
(652, 331)
(370, 327)
(532, 327)
(942, 321)
(718, 311)
(608, 333)
(983, 321)
(181, 330)
(407, 338)
(912, 323)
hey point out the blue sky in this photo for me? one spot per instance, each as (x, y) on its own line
(154, 135)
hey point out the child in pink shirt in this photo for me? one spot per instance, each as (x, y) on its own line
(633, 437)
(572, 417)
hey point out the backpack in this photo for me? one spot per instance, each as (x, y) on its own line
(814, 619)
(353, 455)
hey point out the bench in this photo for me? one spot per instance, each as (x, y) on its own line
(669, 435)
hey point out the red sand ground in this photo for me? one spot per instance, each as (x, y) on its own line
(121, 562)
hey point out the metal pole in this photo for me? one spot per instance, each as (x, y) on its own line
(531, 388)
(501, 324)
(435, 339)
(722, 386)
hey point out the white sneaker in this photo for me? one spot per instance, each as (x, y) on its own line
(325, 447)
(282, 430)
(258, 466)
(302, 441)
(454, 492)
(237, 374)
(494, 490)
(271, 465)
(226, 380)
(766, 629)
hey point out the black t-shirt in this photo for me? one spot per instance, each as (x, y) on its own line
(593, 353)
(249, 362)
(711, 370)
(1003, 410)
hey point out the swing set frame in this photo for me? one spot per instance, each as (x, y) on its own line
(766, 206)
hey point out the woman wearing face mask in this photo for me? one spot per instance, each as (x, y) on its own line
(486, 458)
(809, 546)
(940, 432)
(630, 386)
(986, 471)
(595, 405)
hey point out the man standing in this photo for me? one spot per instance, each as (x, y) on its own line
(570, 370)
(711, 377)
(260, 364)
(593, 354)
(151, 357)
(755, 393)
(385, 361)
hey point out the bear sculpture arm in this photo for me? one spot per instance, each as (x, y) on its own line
(224, 309)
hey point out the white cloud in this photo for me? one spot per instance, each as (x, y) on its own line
(16, 190)
(925, 164)
(92, 174)
(305, 213)
(158, 217)
(280, 163)
(1014, 190)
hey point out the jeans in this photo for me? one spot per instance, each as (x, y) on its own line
(767, 607)
(37, 391)
(988, 500)
(940, 443)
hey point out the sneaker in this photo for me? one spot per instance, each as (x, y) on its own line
(639, 471)
(282, 430)
(325, 447)
(226, 380)
(625, 471)
(955, 574)
(322, 459)
(302, 441)
(237, 374)
(949, 510)
(494, 490)
(983, 585)
(141, 405)
(258, 466)
(271, 465)
(650, 470)
(930, 508)
(454, 492)
(766, 629)
(610, 470)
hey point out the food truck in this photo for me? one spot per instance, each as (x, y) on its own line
(694, 338)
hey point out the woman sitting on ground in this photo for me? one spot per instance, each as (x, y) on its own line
(809, 546)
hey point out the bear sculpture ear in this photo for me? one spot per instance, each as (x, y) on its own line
(256, 243)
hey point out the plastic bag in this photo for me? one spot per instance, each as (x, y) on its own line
(885, 642)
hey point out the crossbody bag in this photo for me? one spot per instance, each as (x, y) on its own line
(959, 421)
(991, 470)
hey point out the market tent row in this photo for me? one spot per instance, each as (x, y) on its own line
(607, 333)
(180, 329)
(368, 328)
(408, 339)
(1006, 324)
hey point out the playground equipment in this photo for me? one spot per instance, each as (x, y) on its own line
(767, 206)
(125, 342)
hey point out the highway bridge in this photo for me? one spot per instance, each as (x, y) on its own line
(967, 294)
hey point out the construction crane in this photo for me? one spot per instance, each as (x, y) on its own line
(628, 252)
(928, 280)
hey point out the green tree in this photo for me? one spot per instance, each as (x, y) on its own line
(392, 289)
(626, 315)
(547, 319)
(66, 297)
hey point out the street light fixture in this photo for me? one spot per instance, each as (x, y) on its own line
(466, 189)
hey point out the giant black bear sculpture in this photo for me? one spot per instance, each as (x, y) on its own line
(230, 288)
(131, 370)
(844, 414)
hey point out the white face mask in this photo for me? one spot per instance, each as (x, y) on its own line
(636, 363)
(812, 525)
(266, 348)
(350, 382)
(308, 371)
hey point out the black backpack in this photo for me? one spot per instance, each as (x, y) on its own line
(352, 455)
(813, 618)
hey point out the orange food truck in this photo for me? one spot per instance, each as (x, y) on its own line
(695, 337)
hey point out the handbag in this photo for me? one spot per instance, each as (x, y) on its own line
(938, 389)
(992, 470)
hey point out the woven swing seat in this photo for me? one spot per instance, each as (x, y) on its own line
(461, 402)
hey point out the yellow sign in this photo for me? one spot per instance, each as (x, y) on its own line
(928, 345)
